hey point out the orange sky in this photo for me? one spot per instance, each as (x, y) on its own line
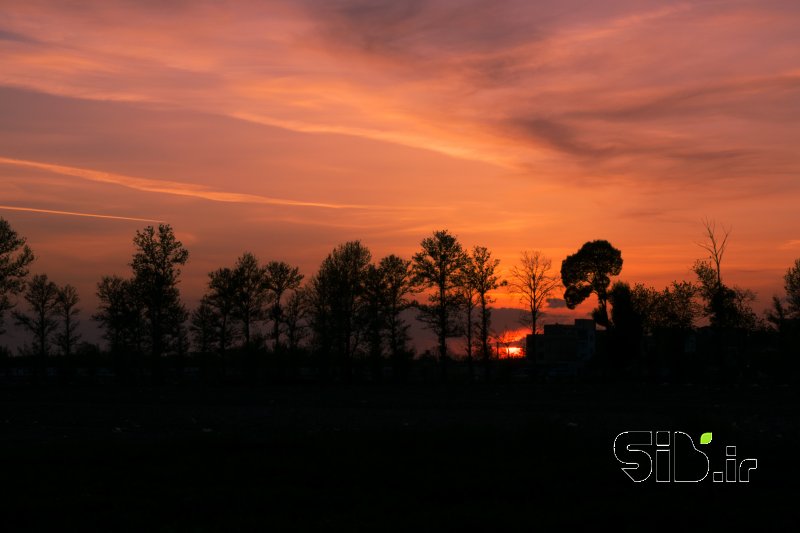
(286, 128)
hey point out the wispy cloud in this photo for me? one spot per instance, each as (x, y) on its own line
(171, 187)
(514, 83)
(604, 119)
(73, 213)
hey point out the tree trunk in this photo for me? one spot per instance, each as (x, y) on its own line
(442, 331)
(276, 327)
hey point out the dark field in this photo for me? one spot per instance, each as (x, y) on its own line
(491, 457)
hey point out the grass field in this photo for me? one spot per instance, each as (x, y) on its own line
(369, 458)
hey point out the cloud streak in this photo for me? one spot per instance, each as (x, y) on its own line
(74, 214)
(171, 187)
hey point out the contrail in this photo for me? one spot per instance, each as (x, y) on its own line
(74, 214)
(171, 187)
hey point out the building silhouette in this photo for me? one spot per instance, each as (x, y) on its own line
(564, 348)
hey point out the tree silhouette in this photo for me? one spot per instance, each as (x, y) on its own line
(726, 307)
(588, 271)
(485, 280)
(715, 246)
(205, 325)
(336, 297)
(792, 287)
(628, 320)
(41, 319)
(182, 344)
(436, 267)
(67, 311)
(778, 314)
(295, 318)
(222, 298)
(397, 285)
(666, 316)
(15, 256)
(372, 314)
(383, 297)
(672, 309)
(503, 339)
(120, 315)
(719, 298)
(251, 292)
(280, 277)
(156, 272)
(786, 323)
(534, 284)
(670, 316)
(467, 294)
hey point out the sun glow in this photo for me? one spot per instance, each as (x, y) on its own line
(511, 352)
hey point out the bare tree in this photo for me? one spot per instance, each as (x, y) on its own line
(534, 284)
(715, 246)
(67, 311)
(726, 307)
(41, 296)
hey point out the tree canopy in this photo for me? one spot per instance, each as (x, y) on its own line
(589, 271)
(156, 272)
(792, 286)
(436, 267)
(15, 256)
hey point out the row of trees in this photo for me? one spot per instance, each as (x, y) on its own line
(52, 309)
(354, 308)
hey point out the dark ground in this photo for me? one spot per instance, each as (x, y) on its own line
(369, 458)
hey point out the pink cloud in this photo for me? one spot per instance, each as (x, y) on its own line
(516, 124)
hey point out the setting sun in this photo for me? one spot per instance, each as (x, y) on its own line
(511, 352)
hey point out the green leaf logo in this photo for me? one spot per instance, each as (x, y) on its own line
(705, 438)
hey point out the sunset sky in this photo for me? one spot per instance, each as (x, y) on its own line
(285, 128)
